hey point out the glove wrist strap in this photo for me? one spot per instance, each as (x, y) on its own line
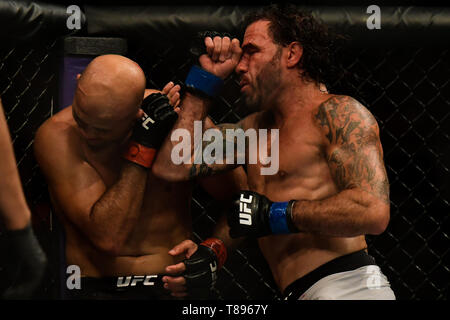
(203, 81)
(219, 249)
(139, 154)
(280, 218)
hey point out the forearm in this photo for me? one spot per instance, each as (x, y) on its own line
(219, 61)
(222, 232)
(222, 188)
(349, 213)
(115, 214)
(182, 157)
(13, 207)
(192, 108)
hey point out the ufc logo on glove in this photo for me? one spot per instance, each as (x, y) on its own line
(145, 120)
(245, 214)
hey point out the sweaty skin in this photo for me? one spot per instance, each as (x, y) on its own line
(330, 159)
(119, 219)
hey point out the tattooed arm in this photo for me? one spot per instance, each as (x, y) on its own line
(355, 159)
(168, 164)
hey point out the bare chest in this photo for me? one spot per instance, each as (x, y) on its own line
(299, 167)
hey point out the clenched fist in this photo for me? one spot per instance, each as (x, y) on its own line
(221, 57)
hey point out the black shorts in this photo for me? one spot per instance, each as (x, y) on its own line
(149, 287)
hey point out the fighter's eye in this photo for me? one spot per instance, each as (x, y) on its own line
(250, 49)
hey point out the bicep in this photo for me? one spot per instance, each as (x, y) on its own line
(354, 153)
(354, 166)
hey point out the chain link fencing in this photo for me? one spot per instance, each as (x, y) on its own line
(407, 90)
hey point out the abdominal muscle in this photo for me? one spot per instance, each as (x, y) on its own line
(294, 255)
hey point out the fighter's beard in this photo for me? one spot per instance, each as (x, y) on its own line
(253, 102)
(266, 85)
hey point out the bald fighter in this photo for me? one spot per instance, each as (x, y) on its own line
(22, 262)
(331, 189)
(119, 219)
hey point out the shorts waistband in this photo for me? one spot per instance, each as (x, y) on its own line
(344, 263)
(138, 287)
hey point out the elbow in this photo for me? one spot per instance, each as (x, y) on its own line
(165, 172)
(381, 217)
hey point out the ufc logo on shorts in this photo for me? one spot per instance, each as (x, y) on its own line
(245, 214)
(132, 281)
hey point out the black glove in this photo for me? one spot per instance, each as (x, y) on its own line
(24, 264)
(150, 131)
(156, 123)
(202, 266)
(253, 215)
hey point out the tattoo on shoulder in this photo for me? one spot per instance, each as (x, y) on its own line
(356, 155)
(342, 116)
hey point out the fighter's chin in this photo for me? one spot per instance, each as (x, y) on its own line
(251, 103)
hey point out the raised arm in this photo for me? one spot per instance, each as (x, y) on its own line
(105, 214)
(222, 55)
(355, 159)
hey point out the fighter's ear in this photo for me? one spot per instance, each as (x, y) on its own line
(295, 52)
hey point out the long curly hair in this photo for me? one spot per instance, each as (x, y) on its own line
(288, 24)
